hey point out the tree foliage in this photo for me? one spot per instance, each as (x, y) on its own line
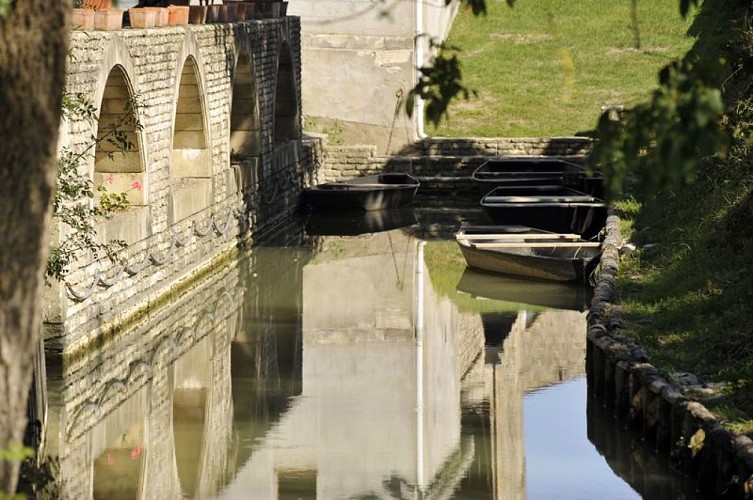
(661, 142)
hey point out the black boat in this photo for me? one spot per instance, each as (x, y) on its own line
(553, 208)
(373, 192)
(516, 171)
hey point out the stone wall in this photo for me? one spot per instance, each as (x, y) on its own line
(218, 159)
(359, 63)
(440, 158)
(667, 413)
(443, 165)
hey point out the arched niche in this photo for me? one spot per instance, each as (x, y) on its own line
(287, 114)
(191, 172)
(245, 130)
(119, 165)
(116, 167)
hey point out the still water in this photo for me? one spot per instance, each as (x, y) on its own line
(370, 365)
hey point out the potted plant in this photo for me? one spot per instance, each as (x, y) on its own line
(98, 4)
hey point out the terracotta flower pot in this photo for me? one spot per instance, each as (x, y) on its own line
(161, 16)
(82, 19)
(177, 15)
(141, 17)
(108, 19)
(197, 14)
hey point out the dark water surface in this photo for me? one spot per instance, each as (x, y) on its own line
(339, 367)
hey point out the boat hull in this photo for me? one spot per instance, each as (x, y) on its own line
(538, 254)
(375, 192)
(553, 208)
(536, 171)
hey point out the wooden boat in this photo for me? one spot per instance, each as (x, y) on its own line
(539, 170)
(353, 223)
(525, 293)
(552, 208)
(373, 192)
(528, 252)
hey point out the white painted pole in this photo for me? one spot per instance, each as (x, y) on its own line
(419, 62)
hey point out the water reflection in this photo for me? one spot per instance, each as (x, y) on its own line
(341, 368)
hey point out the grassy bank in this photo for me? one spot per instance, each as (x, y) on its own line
(546, 67)
(686, 291)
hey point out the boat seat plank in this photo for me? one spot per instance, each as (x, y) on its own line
(514, 236)
(524, 244)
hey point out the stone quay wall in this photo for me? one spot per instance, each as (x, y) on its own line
(669, 414)
(217, 160)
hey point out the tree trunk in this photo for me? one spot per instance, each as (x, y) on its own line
(33, 51)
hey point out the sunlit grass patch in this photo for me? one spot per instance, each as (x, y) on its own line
(545, 68)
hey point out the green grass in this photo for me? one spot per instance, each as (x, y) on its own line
(686, 293)
(546, 67)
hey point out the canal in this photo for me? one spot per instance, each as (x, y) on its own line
(363, 365)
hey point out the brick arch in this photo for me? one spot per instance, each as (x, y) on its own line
(287, 117)
(191, 157)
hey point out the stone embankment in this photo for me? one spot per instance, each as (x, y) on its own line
(665, 411)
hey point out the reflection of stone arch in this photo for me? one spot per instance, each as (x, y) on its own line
(287, 115)
(191, 158)
(245, 130)
(191, 403)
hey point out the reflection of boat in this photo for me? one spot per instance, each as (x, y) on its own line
(373, 192)
(536, 171)
(551, 207)
(547, 294)
(355, 223)
(527, 252)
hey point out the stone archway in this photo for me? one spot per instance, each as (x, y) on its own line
(287, 113)
(245, 129)
(191, 172)
(119, 165)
